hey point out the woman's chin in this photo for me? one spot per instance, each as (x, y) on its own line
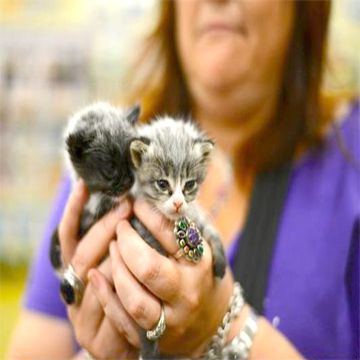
(219, 73)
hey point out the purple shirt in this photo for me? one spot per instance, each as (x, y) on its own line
(313, 289)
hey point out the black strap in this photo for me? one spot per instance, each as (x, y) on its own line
(253, 258)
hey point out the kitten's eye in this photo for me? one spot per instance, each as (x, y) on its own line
(162, 184)
(108, 172)
(189, 185)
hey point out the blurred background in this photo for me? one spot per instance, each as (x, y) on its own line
(55, 57)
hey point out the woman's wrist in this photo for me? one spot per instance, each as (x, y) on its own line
(228, 326)
(241, 345)
(238, 323)
(259, 339)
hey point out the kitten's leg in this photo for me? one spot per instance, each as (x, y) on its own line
(149, 349)
(87, 219)
(217, 248)
(55, 252)
(213, 238)
(145, 234)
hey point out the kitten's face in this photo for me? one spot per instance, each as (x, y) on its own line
(102, 165)
(98, 148)
(170, 166)
(173, 194)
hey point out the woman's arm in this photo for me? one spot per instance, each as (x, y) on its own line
(38, 336)
(268, 342)
(42, 330)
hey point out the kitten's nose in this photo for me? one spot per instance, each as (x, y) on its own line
(177, 205)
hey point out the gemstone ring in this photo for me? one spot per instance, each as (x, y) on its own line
(189, 240)
(71, 287)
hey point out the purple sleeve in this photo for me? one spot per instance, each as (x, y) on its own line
(42, 291)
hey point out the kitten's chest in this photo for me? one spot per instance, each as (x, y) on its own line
(99, 204)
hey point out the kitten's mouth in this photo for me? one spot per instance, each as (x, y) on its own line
(173, 215)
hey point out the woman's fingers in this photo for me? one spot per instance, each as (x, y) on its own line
(94, 245)
(110, 344)
(163, 231)
(87, 317)
(90, 303)
(156, 272)
(69, 225)
(113, 308)
(94, 331)
(143, 307)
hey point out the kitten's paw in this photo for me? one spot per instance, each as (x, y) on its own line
(219, 265)
(149, 349)
(218, 255)
(55, 252)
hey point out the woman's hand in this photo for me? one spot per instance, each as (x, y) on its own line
(194, 302)
(94, 331)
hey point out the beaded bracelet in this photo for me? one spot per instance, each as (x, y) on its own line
(239, 348)
(236, 303)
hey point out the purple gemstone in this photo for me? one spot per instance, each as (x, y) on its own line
(193, 237)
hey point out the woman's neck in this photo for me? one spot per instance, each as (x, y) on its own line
(228, 119)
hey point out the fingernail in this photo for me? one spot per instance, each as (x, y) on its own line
(79, 186)
(123, 208)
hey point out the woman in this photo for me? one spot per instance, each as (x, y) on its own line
(255, 87)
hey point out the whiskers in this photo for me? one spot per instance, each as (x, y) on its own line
(165, 218)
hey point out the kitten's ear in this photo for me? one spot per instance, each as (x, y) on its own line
(138, 147)
(133, 114)
(203, 148)
(77, 143)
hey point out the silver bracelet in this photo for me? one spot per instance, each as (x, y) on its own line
(239, 348)
(236, 303)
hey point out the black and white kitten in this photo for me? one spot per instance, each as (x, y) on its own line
(97, 142)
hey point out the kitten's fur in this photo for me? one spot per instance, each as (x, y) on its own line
(97, 142)
(106, 150)
(173, 153)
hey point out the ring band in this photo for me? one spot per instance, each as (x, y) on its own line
(178, 254)
(159, 329)
(71, 287)
(189, 240)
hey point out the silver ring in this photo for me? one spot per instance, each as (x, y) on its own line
(159, 329)
(71, 287)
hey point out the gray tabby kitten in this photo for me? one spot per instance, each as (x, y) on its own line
(170, 159)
